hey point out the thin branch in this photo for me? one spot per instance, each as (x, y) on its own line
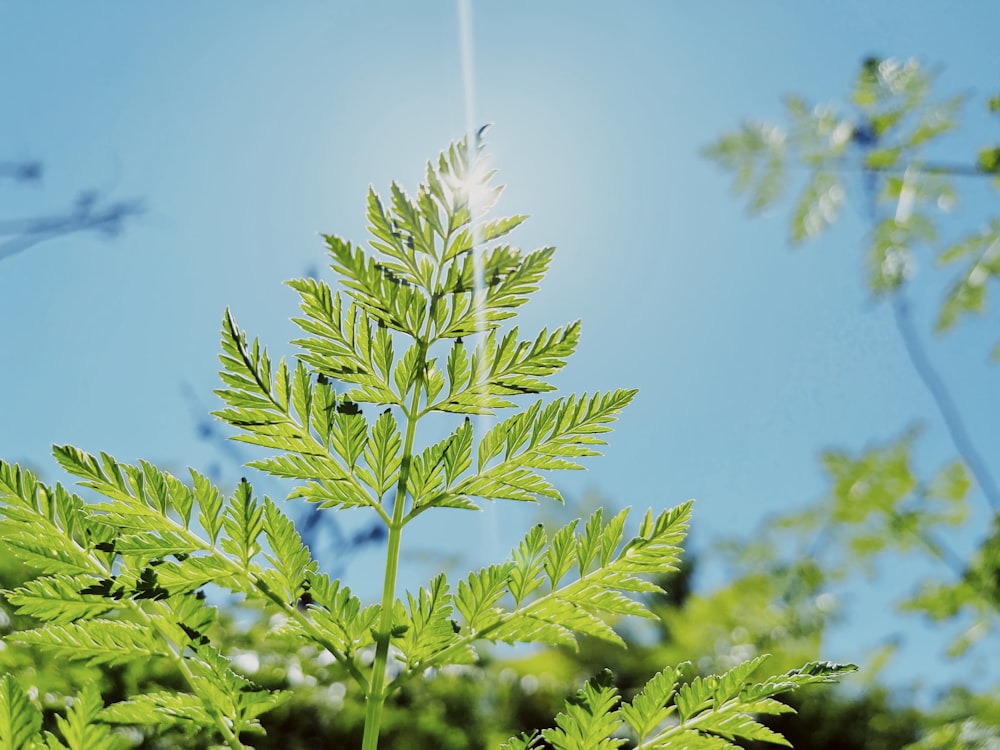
(942, 399)
(85, 216)
(932, 381)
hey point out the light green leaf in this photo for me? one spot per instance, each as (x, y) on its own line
(539, 439)
(60, 599)
(210, 502)
(340, 616)
(158, 709)
(429, 628)
(479, 594)
(343, 345)
(243, 522)
(293, 564)
(589, 720)
(650, 707)
(82, 728)
(20, 721)
(95, 641)
(382, 454)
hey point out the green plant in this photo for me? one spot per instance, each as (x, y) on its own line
(123, 578)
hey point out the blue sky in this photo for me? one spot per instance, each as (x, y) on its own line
(249, 128)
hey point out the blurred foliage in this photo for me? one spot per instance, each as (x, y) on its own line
(887, 135)
(882, 149)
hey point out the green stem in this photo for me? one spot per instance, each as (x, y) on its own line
(376, 693)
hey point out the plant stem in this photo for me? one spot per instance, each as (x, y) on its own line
(376, 693)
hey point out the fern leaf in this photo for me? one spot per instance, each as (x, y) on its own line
(243, 522)
(38, 542)
(523, 741)
(382, 454)
(510, 279)
(20, 722)
(650, 707)
(338, 613)
(560, 556)
(343, 345)
(527, 563)
(390, 240)
(59, 599)
(147, 546)
(82, 729)
(95, 641)
(508, 368)
(158, 709)
(349, 437)
(230, 698)
(589, 719)
(478, 594)
(429, 628)
(141, 494)
(41, 525)
(392, 301)
(192, 573)
(293, 565)
(210, 502)
(541, 439)
(419, 234)
(439, 466)
(606, 589)
(266, 414)
(717, 711)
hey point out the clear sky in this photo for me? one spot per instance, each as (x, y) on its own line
(247, 128)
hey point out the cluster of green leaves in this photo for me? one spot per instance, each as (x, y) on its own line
(704, 712)
(123, 577)
(893, 123)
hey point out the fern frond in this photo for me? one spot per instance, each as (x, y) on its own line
(231, 699)
(539, 438)
(284, 414)
(543, 438)
(82, 727)
(243, 522)
(392, 301)
(523, 741)
(707, 713)
(589, 720)
(390, 240)
(60, 598)
(716, 711)
(429, 628)
(613, 575)
(158, 709)
(382, 454)
(479, 593)
(142, 497)
(651, 706)
(508, 368)
(339, 615)
(41, 526)
(344, 344)
(20, 722)
(43, 545)
(293, 564)
(510, 278)
(95, 641)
